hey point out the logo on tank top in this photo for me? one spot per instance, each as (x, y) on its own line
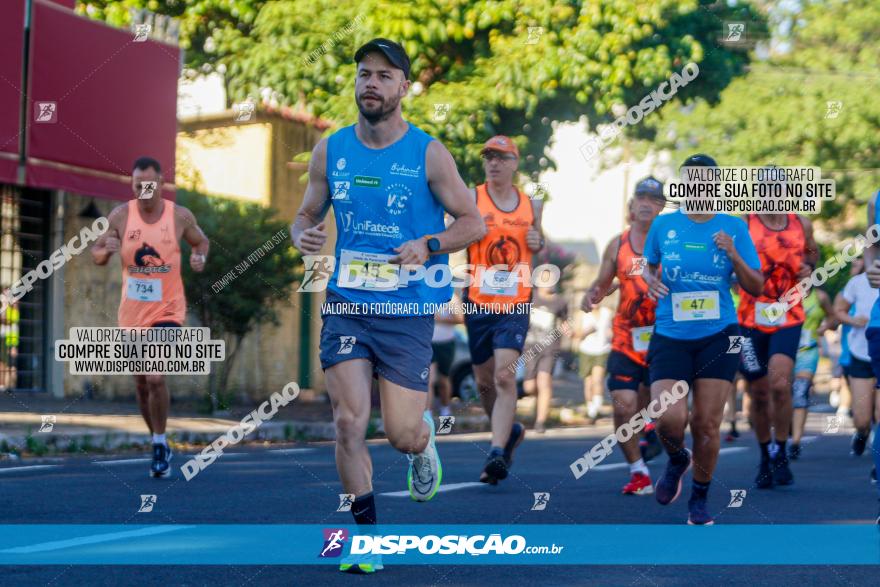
(489, 219)
(638, 266)
(504, 251)
(340, 190)
(340, 165)
(148, 260)
(398, 194)
(134, 235)
(166, 235)
(400, 169)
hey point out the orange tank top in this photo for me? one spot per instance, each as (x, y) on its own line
(634, 320)
(781, 253)
(501, 260)
(152, 290)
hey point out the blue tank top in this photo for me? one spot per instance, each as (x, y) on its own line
(381, 199)
(874, 321)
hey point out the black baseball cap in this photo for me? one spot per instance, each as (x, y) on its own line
(394, 52)
(699, 160)
(652, 187)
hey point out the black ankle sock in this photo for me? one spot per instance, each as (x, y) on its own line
(364, 510)
(765, 450)
(699, 489)
(733, 426)
(496, 450)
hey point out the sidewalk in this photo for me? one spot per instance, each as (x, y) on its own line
(83, 425)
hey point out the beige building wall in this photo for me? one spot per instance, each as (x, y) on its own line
(245, 160)
(252, 160)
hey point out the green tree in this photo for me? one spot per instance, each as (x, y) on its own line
(210, 30)
(780, 113)
(502, 66)
(251, 267)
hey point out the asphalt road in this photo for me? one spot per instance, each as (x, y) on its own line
(299, 485)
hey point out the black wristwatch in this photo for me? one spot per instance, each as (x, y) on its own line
(433, 243)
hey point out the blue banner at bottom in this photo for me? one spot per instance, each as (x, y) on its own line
(526, 544)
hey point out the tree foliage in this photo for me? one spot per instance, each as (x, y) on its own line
(500, 66)
(780, 113)
(251, 267)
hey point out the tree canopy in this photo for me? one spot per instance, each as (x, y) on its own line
(813, 103)
(495, 66)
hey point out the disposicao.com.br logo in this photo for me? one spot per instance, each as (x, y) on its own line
(450, 544)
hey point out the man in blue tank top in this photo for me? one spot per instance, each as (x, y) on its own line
(389, 184)
(872, 269)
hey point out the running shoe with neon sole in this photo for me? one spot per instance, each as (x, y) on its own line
(668, 488)
(425, 471)
(639, 484)
(361, 564)
(698, 514)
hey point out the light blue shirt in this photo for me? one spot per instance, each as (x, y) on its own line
(692, 263)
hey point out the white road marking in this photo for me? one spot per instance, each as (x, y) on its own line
(449, 487)
(27, 468)
(121, 462)
(94, 539)
(625, 465)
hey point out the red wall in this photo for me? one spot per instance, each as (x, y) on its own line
(116, 100)
(11, 39)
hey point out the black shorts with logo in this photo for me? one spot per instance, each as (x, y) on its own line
(624, 373)
(758, 346)
(700, 358)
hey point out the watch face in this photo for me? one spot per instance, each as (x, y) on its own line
(433, 245)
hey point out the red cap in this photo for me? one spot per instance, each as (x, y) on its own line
(500, 143)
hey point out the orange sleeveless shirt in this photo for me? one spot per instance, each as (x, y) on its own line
(781, 253)
(152, 290)
(634, 319)
(502, 250)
